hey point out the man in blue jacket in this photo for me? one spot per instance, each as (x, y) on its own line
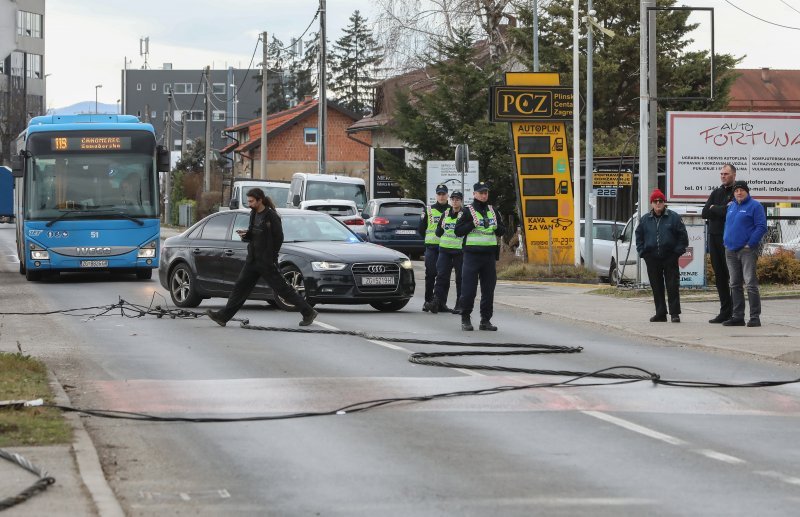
(745, 225)
(661, 238)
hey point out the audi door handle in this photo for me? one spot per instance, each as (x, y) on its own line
(196, 251)
(228, 253)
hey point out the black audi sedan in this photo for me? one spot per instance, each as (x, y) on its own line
(320, 257)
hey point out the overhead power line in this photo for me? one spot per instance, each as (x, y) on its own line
(761, 19)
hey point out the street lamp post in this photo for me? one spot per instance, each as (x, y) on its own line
(95, 96)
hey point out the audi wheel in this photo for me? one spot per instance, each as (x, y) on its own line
(295, 279)
(182, 287)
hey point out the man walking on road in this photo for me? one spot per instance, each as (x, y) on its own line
(714, 212)
(661, 238)
(481, 225)
(450, 256)
(428, 225)
(264, 237)
(745, 225)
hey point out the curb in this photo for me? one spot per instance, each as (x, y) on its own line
(88, 462)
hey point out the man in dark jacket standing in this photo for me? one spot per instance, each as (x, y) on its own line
(714, 212)
(264, 236)
(661, 238)
(479, 226)
(745, 225)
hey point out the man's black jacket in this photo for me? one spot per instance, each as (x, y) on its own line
(716, 207)
(264, 242)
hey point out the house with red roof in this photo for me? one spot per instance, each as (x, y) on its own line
(292, 143)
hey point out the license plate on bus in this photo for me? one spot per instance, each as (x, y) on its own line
(405, 232)
(94, 263)
(377, 280)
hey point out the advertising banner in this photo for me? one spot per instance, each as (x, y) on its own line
(764, 148)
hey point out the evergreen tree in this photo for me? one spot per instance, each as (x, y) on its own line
(354, 63)
(276, 66)
(302, 70)
(456, 111)
(680, 72)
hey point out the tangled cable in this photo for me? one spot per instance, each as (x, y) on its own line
(40, 485)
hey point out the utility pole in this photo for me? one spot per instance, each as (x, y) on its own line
(322, 118)
(168, 142)
(207, 159)
(184, 134)
(263, 172)
(576, 133)
(588, 214)
(644, 111)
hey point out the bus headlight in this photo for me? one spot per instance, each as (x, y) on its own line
(148, 250)
(38, 253)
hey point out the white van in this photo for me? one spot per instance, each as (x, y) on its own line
(277, 191)
(625, 260)
(307, 186)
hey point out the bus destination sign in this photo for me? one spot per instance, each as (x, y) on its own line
(528, 103)
(91, 143)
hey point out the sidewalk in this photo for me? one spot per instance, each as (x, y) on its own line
(778, 338)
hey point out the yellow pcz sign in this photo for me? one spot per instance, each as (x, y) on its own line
(529, 103)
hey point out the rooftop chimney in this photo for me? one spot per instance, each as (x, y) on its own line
(308, 98)
(765, 74)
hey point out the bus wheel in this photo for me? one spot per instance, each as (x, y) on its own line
(33, 276)
(21, 268)
(144, 274)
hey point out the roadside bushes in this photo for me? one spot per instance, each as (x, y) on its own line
(780, 268)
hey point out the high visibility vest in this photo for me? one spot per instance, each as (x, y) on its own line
(480, 235)
(434, 215)
(449, 239)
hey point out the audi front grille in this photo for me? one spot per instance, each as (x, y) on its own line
(377, 272)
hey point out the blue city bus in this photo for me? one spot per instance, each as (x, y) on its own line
(87, 195)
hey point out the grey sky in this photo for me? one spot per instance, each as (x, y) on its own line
(87, 40)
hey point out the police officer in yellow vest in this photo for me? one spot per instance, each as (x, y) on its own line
(449, 255)
(480, 225)
(428, 225)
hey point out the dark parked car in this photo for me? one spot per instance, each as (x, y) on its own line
(320, 258)
(394, 223)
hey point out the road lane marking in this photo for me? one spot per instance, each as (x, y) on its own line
(719, 456)
(400, 349)
(636, 428)
(779, 476)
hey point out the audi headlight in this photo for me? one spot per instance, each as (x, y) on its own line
(148, 250)
(406, 264)
(38, 253)
(327, 266)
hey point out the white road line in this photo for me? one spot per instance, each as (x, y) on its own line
(399, 348)
(636, 428)
(777, 475)
(726, 458)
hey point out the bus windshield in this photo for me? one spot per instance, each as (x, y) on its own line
(108, 184)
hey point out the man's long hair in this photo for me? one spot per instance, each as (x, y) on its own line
(257, 193)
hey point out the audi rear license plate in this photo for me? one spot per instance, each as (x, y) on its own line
(377, 280)
(94, 263)
(405, 232)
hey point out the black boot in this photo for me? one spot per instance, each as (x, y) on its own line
(466, 323)
(486, 325)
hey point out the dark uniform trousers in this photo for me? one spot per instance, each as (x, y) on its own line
(448, 261)
(721, 276)
(431, 257)
(478, 266)
(247, 280)
(662, 271)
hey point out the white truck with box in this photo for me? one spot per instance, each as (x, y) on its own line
(277, 191)
(306, 186)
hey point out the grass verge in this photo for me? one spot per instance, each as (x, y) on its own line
(25, 378)
(709, 293)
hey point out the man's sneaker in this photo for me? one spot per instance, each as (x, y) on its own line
(308, 319)
(659, 317)
(487, 325)
(675, 319)
(754, 322)
(214, 316)
(733, 322)
(720, 318)
(466, 324)
(456, 310)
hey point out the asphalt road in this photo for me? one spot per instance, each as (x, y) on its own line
(629, 449)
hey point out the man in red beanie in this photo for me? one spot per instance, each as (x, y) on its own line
(660, 239)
